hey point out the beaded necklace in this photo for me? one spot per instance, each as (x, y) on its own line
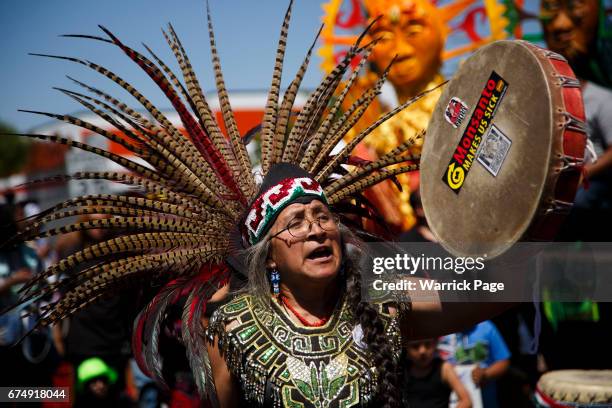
(301, 318)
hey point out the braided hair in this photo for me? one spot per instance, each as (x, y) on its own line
(373, 328)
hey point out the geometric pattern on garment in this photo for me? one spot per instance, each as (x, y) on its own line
(282, 364)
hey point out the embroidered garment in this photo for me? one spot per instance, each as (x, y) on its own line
(280, 363)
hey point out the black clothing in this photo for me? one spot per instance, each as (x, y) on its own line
(101, 329)
(428, 391)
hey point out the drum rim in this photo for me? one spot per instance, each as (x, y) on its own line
(566, 386)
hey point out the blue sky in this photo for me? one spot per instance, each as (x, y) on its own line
(246, 33)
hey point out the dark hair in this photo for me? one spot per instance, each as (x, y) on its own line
(374, 335)
(8, 226)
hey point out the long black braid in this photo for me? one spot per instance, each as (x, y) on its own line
(374, 336)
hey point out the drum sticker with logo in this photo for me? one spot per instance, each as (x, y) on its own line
(455, 111)
(494, 150)
(482, 116)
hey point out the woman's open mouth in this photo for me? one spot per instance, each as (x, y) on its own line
(320, 254)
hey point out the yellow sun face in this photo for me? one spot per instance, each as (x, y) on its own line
(411, 32)
(417, 27)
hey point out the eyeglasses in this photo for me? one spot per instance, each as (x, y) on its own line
(300, 227)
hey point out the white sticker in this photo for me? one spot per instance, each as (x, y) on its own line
(493, 150)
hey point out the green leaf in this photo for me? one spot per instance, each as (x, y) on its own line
(324, 380)
(335, 387)
(314, 378)
(305, 389)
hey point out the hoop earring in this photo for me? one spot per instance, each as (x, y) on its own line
(275, 281)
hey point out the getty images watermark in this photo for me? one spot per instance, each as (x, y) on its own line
(404, 264)
(565, 272)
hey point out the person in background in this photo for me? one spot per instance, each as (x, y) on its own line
(520, 330)
(420, 232)
(483, 350)
(44, 249)
(95, 381)
(101, 329)
(571, 29)
(580, 31)
(18, 263)
(428, 380)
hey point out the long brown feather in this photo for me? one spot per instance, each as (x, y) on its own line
(242, 162)
(340, 157)
(385, 161)
(135, 244)
(271, 109)
(174, 141)
(121, 121)
(175, 81)
(206, 117)
(318, 100)
(368, 181)
(142, 122)
(298, 132)
(348, 120)
(287, 105)
(118, 274)
(145, 223)
(322, 133)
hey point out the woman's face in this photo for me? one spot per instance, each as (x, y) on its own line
(314, 257)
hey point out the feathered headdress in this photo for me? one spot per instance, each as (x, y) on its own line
(197, 189)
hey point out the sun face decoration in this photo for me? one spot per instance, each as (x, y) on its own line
(419, 35)
(440, 30)
(410, 31)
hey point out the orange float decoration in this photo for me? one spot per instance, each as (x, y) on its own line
(418, 34)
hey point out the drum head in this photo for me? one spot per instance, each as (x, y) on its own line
(486, 154)
(582, 386)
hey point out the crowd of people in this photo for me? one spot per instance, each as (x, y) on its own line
(91, 352)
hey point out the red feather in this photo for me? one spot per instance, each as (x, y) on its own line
(200, 139)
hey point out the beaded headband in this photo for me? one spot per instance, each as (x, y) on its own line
(268, 205)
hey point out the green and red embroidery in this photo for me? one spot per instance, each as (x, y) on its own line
(277, 197)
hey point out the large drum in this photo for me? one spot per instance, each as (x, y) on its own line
(503, 153)
(575, 388)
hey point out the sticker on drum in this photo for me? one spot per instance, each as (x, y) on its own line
(484, 111)
(455, 112)
(493, 150)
